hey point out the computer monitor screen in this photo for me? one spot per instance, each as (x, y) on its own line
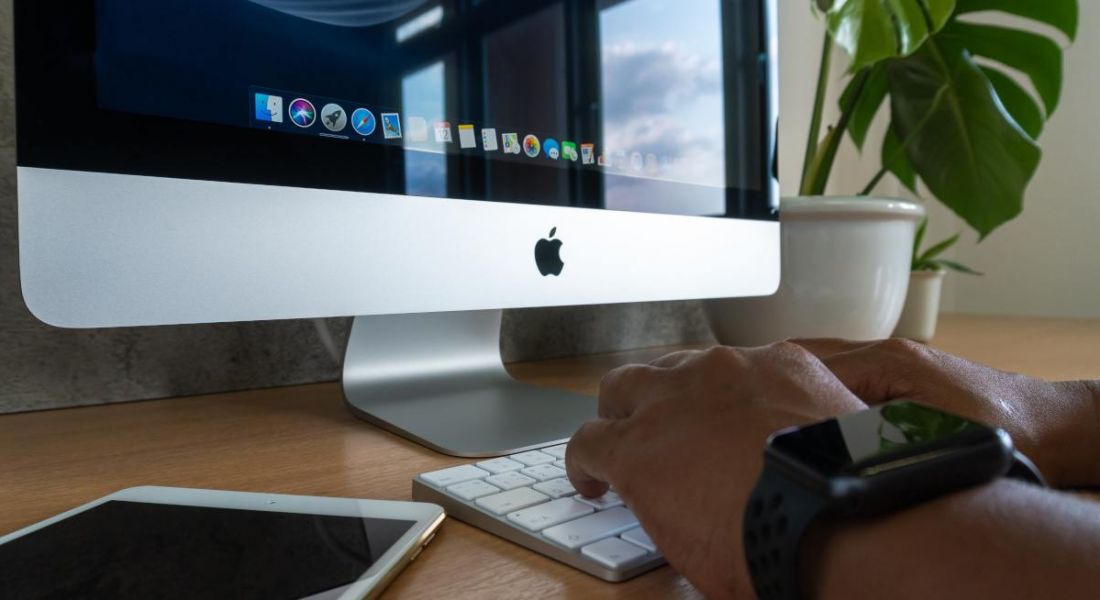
(189, 161)
(652, 106)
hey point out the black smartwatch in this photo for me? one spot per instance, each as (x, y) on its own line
(863, 464)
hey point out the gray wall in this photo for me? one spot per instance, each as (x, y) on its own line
(42, 367)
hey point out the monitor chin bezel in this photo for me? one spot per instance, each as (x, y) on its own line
(109, 250)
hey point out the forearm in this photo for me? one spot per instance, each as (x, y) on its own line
(1004, 540)
(1074, 439)
(1093, 456)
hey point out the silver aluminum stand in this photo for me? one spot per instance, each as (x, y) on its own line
(438, 379)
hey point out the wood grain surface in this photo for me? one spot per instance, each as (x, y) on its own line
(301, 440)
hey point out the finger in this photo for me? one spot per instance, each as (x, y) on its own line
(591, 456)
(676, 359)
(626, 389)
(826, 347)
(871, 374)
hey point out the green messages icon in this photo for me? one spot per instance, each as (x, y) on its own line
(569, 151)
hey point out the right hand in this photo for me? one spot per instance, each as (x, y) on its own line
(682, 441)
(1055, 424)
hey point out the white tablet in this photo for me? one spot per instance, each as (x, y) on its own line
(158, 542)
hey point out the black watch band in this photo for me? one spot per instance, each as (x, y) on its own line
(776, 519)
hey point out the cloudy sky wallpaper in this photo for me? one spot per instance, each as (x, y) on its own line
(662, 95)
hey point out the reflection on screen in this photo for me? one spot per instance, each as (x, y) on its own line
(644, 105)
(845, 444)
(122, 550)
(661, 82)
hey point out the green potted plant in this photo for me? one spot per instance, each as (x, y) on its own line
(961, 126)
(922, 304)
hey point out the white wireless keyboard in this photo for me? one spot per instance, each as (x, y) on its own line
(526, 498)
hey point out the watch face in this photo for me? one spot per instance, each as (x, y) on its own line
(886, 438)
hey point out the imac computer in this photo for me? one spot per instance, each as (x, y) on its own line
(417, 164)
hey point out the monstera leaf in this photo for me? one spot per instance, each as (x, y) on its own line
(873, 30)
(966, 129)
(968, 151)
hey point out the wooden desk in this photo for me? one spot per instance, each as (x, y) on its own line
(302, 441)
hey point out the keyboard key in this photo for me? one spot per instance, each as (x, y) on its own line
(556, 451)
(556, 488)
(552, 513)
(500, 465)
(512, 500)
(510, 480)
(532, 458)
(614, 553)
(472, 490)
(448, 477)
(531, 496)
(592, 528)
(608, 500)
(639, 537)
(543, 472)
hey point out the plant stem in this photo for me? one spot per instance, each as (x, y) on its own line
(814, 137)
(822, 167)
(875, 181)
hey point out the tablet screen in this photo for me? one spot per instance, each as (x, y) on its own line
(123, 549)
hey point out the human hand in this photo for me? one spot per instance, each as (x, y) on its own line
(1054, 424)
(682, 442)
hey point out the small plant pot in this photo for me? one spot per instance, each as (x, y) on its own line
(846, 264)
(922, 306)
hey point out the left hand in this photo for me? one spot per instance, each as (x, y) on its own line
(682, 442)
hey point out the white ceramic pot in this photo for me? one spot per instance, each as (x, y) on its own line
(922, 306)
(845, 274)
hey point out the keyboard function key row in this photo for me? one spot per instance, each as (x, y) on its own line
(557, 452)
(497, 466)
(532, 458)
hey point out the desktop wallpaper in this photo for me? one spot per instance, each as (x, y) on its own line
(197, 59)
(640, 100)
